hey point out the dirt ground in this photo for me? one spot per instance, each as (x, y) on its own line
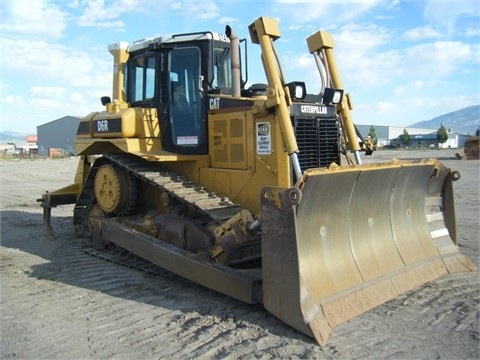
(57, 302)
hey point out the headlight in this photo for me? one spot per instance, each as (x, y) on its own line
(297, 90)
(332, 96)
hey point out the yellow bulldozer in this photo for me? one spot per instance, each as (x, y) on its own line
(256, 192)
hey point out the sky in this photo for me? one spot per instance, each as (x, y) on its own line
(401, 61)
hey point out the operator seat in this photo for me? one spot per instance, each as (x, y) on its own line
(180, 102)
(182, 114)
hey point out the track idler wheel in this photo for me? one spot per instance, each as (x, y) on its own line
(114, 190)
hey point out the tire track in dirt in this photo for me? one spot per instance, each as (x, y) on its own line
(442, 311)
(122, 304)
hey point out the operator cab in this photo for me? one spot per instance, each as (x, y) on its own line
(174, 74)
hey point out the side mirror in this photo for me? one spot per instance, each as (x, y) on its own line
(105, 100)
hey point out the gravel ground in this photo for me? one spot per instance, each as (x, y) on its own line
(58, 302)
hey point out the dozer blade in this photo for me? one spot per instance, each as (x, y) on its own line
(347, 239)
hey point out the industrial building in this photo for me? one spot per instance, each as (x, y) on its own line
(420, 138)
(58, 137)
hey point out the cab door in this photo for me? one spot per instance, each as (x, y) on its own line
(187, 132)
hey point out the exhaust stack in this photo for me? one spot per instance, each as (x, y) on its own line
(235, 60)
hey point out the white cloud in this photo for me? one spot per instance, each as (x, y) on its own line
(446, 12)
(420, 33)
(296, 27)
(449, 15)
(38, 61)
(361, 57)
(47, 103)
(49, 98)
(34, 18)
(48, 91)
(201, 10)
(301, 67)
(227, 20)
(472, 32)
(438, 59)
(476, 53)
(299, 61)
(417, 86)
(76, 97)
(205, 10)
(97, 15)
(53, 79)
(10, 99)
(176, 5)
(308, 11)
(362, 38)
(393, 5)
(56, 98)
(74, 4)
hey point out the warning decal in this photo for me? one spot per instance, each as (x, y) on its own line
(264, 139)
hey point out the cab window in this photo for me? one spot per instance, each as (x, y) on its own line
(143, 76)
(222, 70)
(185, 96)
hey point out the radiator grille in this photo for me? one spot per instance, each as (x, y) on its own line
(317, 141)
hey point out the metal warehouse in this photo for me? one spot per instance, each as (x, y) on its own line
(58, 136)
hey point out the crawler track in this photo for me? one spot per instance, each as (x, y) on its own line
(155, 175)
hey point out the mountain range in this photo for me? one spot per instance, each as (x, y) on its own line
(13, 137)
(463, 121)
